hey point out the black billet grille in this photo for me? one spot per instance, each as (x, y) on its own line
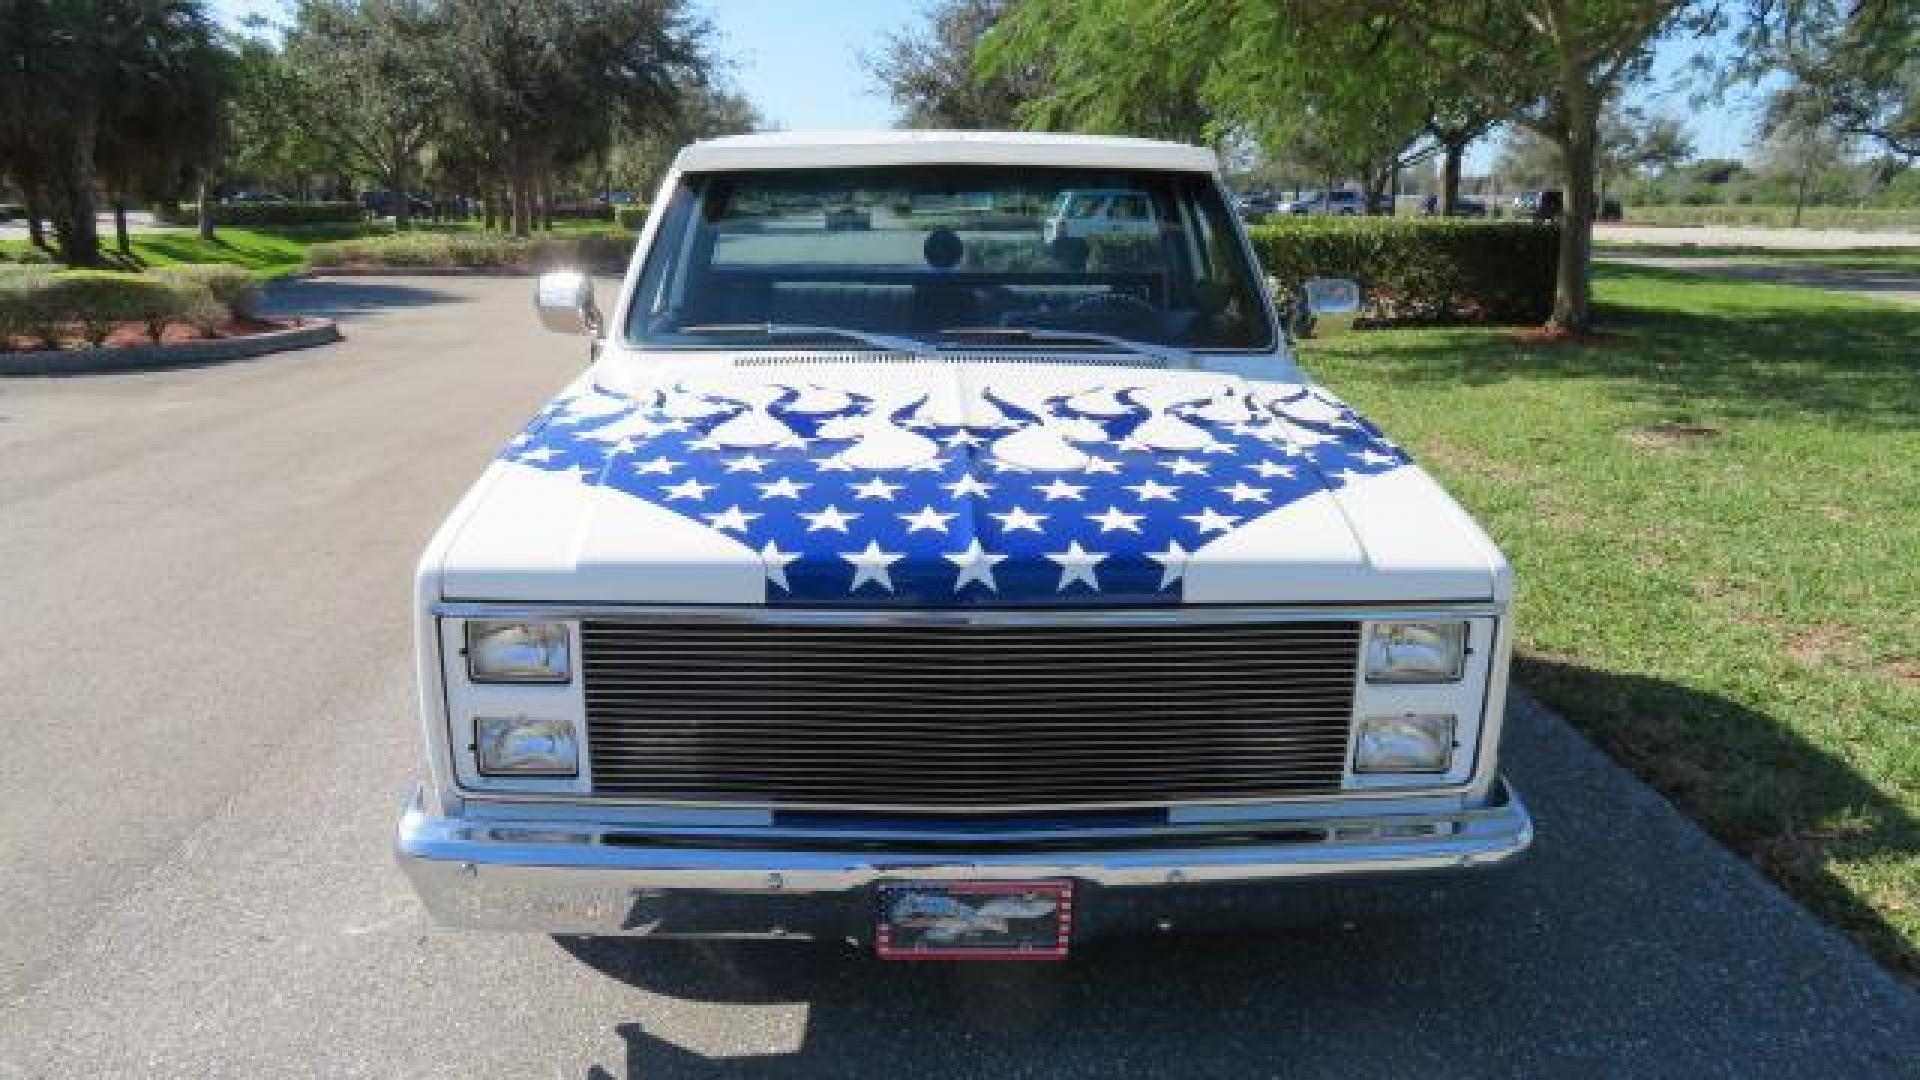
(967, 716)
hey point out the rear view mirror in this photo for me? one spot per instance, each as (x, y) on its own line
(564, 302)
(1332, 305)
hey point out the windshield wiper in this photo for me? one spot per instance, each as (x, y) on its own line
(1169, 353)
(889, 342)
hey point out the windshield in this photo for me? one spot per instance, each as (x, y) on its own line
(918, 250)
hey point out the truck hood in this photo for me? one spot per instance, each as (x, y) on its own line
(836, 481)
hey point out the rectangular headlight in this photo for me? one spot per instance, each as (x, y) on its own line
(500, 651)
(526, 746)
(1416, 652)
(1404, 744)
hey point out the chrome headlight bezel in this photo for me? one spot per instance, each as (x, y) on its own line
(1416, 652)
(1374, 755)
(545, 654)
(560, 757)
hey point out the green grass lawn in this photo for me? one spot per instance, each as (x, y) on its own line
(1900, 259)
(1714, 515)
(267, 252)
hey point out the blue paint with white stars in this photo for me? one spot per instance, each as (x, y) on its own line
(959, 525)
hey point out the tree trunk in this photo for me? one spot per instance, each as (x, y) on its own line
(1450, 177)
(488, 207)
(205, 222)
(69, 191)
(402, 204)
(1573, 285)
(522, 199)
(120, 238)
(36, 231)
(1800, 196)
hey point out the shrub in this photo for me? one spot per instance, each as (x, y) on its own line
(631, 216)
(594, 250)
(268, 215)
(1421, 269)
(46, 307)
(234, 289)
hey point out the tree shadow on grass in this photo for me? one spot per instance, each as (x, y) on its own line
(1792, 808)
(1845, 363)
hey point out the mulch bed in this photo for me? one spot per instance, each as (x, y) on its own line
(131, 334)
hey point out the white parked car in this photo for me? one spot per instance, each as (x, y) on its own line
(1085, 212)
(917, 586)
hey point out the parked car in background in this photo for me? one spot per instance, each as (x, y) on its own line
(1335, 203)
(1257, 207)
(1084, 212)
(963, 616)
(245, 198)
(1547, 204)
(387, 204)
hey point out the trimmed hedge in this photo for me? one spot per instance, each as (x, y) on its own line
(266, 215)
(48, 307)
(631, 216)
(608, 251)
(1421, 269)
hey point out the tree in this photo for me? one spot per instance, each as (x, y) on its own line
(100, 89)
(542, 85)
(1854, 65)
(370, 84)
(1801, 142)
(931, 72)
(1098, 78)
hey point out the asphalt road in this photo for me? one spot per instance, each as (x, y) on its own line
(209, 733)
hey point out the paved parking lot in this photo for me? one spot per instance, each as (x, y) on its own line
(210, 732)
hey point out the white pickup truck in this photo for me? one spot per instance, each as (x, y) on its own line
(927, 587)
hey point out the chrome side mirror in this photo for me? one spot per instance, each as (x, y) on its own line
(1332, 305)
(564, 302)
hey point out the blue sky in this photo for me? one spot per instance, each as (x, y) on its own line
(799, 62)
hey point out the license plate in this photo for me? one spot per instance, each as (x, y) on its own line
(975, 920)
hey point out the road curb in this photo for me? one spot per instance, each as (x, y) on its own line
(161, 357)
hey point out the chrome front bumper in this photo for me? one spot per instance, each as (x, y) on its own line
(575, 877)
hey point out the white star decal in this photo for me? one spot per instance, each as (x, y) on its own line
(1060, 489)
(783, 488)
(1101, 465)
(927, 518)
(1239, 491)
(539, 454)
(976, 564)
(963, 437)
(871, 565)
(1077, 564)
(1017, 519)
(1374, 457)
(747, 463)
(875, 488)
(1173, 562)
(776, 564)
(1113, 520)
(1148, 491)
(967, 485)
(1271, 469)
(689, 489)
(1208, 521)
(659, 466)
(1182, 467)
(830, 518)
(1215, 446)
(731, 518)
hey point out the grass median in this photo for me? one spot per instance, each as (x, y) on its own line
(1714, 513)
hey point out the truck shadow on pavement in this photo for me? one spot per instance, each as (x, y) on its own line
(1627, 943)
